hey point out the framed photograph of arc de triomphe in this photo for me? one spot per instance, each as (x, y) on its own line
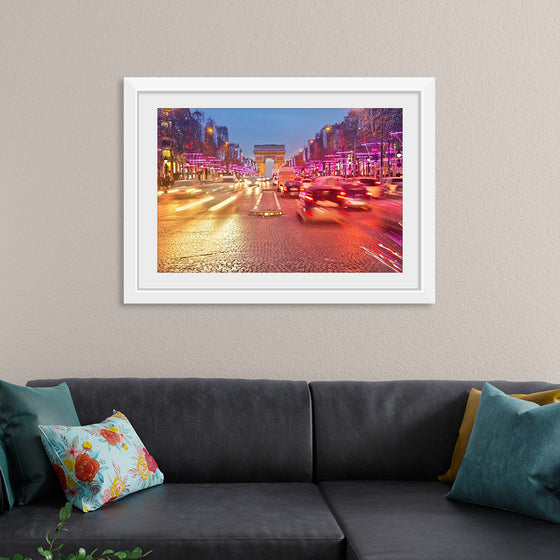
(279, 190)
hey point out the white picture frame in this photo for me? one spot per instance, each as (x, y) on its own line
(142, 282)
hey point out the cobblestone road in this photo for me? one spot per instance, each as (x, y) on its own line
(211, 230)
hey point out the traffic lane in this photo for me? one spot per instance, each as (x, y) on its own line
(204, 229)
(230, 240)
(195, 191)
(383, 226)
(199, 199)
(207, 241)
(381, 229)
(167, 202)
(286, 245)
(255, 244)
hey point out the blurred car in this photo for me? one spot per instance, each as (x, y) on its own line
(318, 203)
(354, 195)
(285, 174)
(374, 186)
(393, 185)
(231, 182)
(329, 181)
(305, 183)
(290, 188)
(388, 214)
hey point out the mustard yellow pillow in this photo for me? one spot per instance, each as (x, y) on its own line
(541, 398)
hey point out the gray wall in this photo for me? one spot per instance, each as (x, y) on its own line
(498, 195)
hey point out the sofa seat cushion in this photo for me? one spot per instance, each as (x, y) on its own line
(411, 520)
(192, 521)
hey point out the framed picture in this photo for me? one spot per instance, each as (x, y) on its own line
(279, 190)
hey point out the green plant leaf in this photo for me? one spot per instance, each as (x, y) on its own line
(65, 512)
(68, 508)
(46, 554)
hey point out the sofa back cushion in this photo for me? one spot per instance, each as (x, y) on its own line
(392, 430)
(208, 430)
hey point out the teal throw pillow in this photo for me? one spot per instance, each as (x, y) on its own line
(7, 498)
(99, 463)
(21, 410)
(513, 457)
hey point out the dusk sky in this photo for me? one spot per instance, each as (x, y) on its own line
(292, 127)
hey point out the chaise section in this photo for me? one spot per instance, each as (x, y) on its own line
(395, 520)
(272, 521)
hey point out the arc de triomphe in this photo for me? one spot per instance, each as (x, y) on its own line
(277, 152)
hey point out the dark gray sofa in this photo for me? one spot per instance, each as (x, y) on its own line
(285, 470)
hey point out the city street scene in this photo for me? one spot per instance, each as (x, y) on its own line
(280, 190)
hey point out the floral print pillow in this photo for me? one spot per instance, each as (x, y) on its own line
(99, 463)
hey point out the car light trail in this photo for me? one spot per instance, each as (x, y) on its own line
(395, 266)
(398, 255)
(201, 201)
(222, 204)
